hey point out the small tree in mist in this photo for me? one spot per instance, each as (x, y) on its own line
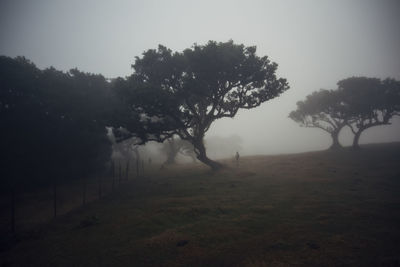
(323, 110)
(183, 93)
(371, 101)
(174, 146)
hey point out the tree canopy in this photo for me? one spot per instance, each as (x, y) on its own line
(371, 102)
(183, 93)
(358, 102)
(53, 122)
(325, 110)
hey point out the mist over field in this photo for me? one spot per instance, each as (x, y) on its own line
(315, 43)
(199, 133)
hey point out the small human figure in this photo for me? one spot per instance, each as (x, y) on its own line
(237, 158)
(149, 161)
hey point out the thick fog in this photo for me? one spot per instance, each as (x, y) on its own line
(315, 43)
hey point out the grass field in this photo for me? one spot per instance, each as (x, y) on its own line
(311, 209)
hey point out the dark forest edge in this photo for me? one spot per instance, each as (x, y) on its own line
(56, 125)
(55, 122)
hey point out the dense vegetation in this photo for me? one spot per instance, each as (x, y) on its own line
(53, 123)
(325, 208)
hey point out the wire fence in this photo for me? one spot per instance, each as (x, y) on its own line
(21, 209)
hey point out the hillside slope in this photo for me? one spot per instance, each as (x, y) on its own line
(311, 209)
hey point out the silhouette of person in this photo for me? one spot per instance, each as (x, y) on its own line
(237, 158)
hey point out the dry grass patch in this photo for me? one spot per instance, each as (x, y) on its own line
(313, 209)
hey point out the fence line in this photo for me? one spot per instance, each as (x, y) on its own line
(28, 208)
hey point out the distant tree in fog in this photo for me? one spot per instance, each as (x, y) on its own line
(371, 101)
(358, 102)
(325, 110)
(125, 149)
(183, 93)
(174, 146)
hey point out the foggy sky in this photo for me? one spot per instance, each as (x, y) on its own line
(315, 43)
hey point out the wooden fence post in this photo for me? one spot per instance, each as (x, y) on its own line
(99, 180)
(120, 173)
(137, 167)
(13, 210)
(113, 174)
(55, 198)
(127, 170)
(84, 191)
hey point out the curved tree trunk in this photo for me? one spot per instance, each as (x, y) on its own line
(356, 139)
(202, 156)
(335, 141)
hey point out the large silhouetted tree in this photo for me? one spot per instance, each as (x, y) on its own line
(371, 101)
(325, 110)
(183, 93)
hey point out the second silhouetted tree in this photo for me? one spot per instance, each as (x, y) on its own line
(324, 110)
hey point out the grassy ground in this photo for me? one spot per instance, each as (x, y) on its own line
(311, 209)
